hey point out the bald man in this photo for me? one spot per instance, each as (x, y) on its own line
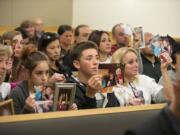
(38, 24)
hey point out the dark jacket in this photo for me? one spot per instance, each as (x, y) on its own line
(62, 69)
(158, 125)
(150, 69)
(19, 95)
(82, 101)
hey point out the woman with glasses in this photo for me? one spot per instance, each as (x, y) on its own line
(136, 89)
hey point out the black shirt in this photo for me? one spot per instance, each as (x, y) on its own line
(151, 69)
(82, 101)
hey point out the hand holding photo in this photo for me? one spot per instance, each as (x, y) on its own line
(160, 44)
(112, 74)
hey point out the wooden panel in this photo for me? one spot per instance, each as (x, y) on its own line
(96, 121)
(51, 115)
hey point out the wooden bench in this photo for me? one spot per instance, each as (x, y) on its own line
(94, 121)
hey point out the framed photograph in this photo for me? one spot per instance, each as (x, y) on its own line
(64, 96)
(139, 36)
(6, 107)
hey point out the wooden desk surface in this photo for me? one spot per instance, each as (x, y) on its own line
(50, 115)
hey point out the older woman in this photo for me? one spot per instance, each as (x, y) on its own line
(5, 53)
(136, 89)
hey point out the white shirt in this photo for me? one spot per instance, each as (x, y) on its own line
(147, 85)
(5, 89)
(108, 60)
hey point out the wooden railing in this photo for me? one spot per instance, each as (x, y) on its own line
(50, 115)
(94, 121)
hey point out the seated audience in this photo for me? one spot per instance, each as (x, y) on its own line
(136, 89)
(167, 121)
(84, 57)
(102, 39)
(81, 33)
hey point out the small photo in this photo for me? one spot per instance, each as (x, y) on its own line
(111, 75)
(64, 96)
(43, 106)
(160, 44)
(139, 37)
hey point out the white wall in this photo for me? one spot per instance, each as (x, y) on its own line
(156, 16)
(53, 12)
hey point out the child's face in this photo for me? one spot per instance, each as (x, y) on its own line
(89, 62)
(40, 74)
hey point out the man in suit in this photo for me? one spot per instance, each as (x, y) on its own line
(167, 122)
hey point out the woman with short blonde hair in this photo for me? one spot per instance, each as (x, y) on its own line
(118, 55)
(136, 89)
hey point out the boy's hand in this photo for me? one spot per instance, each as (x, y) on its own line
(94, 85)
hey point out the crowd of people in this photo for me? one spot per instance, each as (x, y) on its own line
(31, 57)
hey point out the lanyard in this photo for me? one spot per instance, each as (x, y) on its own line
(134, 90)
